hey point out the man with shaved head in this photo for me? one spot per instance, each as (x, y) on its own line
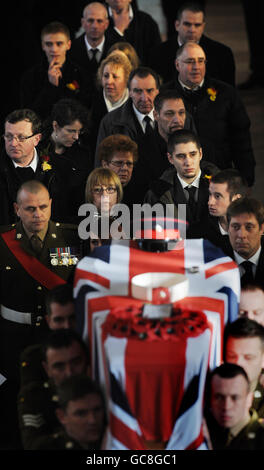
(36, 255)
(89, 49)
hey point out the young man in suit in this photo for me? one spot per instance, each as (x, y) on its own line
(184, 183)
(224, 187)
(245, 218)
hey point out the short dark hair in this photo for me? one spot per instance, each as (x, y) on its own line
(246, 205)
(63, 338)
(165, 95)
(55, 27)
(144, 72)
(76, 387)
(252, 286)
(32, 186)
(195, 7)
(25, 115)
(243, 327)
(228, 370)
(236, 184)
(182, 136)
(61, 294)
(67, 110)
(117, 143)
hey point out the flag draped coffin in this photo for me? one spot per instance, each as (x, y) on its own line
(154, 387)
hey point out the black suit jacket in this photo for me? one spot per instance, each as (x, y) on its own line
(37, 93)
(222, 124)
(142, 33)
(78, 53)
(220, 59)
(209, 230)
(259, 276)
(10, 181)
(168, 190)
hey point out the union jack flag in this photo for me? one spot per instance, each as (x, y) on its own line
(103, 282)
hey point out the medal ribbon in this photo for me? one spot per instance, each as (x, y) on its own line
(34, 268)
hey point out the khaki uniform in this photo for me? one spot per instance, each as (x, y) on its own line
(57, 441)
(258, 400)
(25, 279)
(22, 293)
(251, 437)
(37, 402)
(31, 369)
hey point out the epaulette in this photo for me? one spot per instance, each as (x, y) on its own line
(261, 422)
(66, 226)
(7, 228)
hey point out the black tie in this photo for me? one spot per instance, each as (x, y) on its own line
(247, 277)
(36, 244)
(93, 60)
(148, 128)
(191, 201)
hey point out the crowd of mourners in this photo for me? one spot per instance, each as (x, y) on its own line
(113, 113)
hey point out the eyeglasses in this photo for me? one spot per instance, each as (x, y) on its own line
(108, 190)
(121, 164)
(200, 61)
(19, 138)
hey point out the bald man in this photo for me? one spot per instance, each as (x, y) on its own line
(36, 255)
(220, 117)
(96, 37)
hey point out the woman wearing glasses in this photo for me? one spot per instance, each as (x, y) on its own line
(103, 190)
(119, 153)
(67, 158)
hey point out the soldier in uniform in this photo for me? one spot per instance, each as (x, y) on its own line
(64, 355)
(36, 255)
(60, 313)
(82, 416)
(245, 347)
(232, 424)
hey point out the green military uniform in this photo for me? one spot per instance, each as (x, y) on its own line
(23, 286)
(258, 400)
(251, 437)
(31, 369)
(37, 402)
(25, 278)
(57, 441)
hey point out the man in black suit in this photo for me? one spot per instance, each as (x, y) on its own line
(245, 217)
(134, 26)
(190, 25)
(135, 119)
(56, 76)
(220, 116)
(92, 46)
(224, 187)
(185, 183)
(19, 159)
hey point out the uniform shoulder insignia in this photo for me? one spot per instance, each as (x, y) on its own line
(69, 445)
(6, 228)
(64, 226)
